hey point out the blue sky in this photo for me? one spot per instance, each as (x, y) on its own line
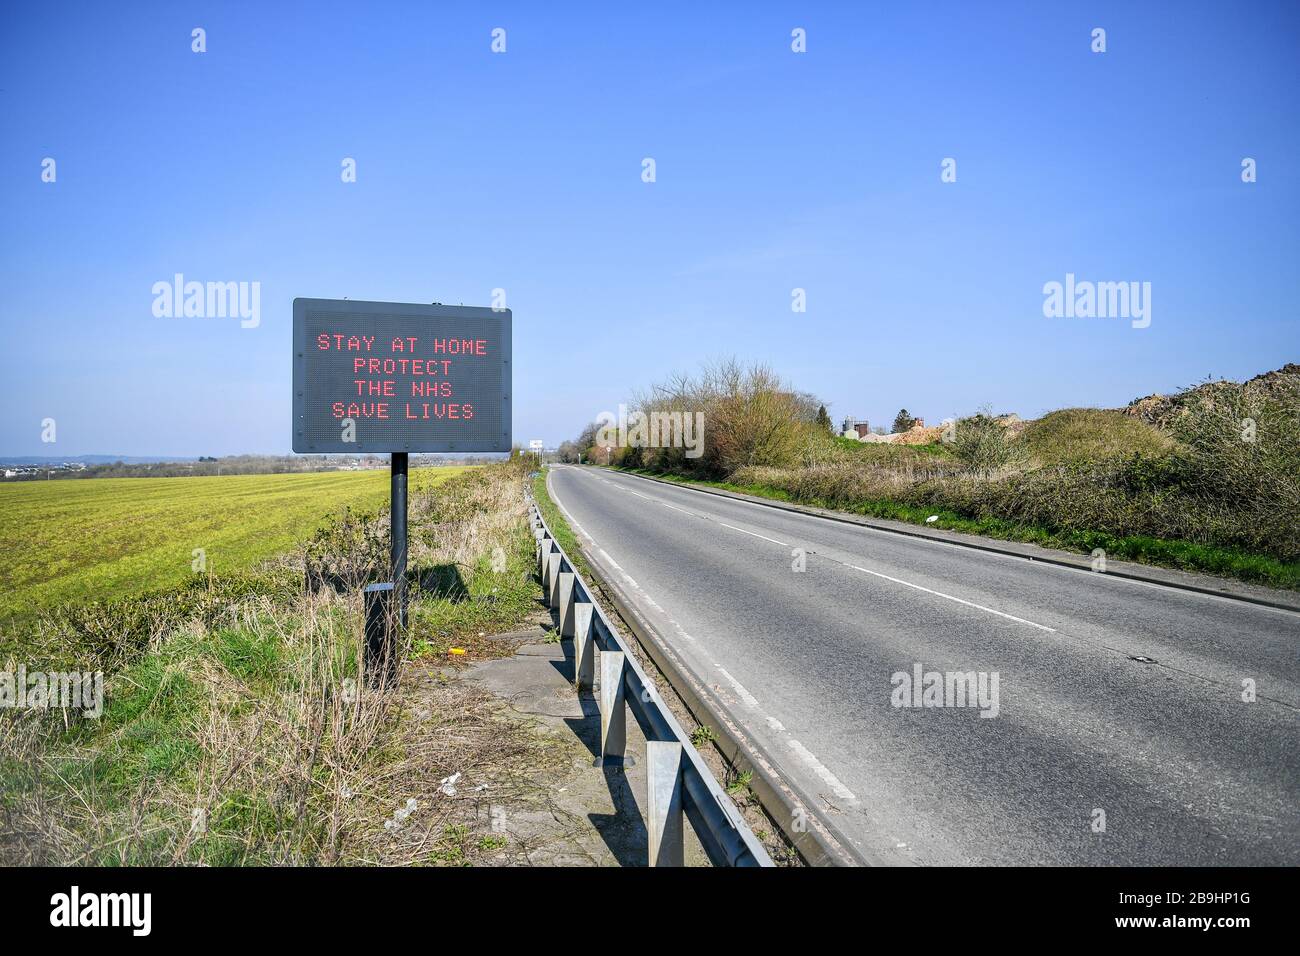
(522, 171)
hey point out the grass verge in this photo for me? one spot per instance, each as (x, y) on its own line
(237, 727)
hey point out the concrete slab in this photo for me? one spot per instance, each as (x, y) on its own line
(585, 816)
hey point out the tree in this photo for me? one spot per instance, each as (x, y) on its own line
(903, 421)
(823, 419)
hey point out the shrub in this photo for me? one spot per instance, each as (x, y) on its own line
(984, 444)
(751, 418)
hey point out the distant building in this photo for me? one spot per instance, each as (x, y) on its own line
(858, 425)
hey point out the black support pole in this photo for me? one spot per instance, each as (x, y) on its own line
(398, 532)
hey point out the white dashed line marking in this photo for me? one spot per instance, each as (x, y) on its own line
(981, 607)
(754, 533)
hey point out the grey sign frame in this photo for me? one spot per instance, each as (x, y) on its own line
(418, 313)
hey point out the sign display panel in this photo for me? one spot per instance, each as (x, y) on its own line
(396, 377)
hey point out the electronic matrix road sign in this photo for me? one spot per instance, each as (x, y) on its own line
(395, 377)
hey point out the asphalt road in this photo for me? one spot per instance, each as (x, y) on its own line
(1113, 697)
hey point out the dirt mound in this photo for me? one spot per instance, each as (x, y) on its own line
(918, 435)
(1013, 423)
(1163, 410)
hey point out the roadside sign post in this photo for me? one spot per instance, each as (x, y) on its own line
(376, 377)
(397, 515)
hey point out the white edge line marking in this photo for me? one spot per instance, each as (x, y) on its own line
(572, 520)
(739, 688)
(819, 768)
(981, 607)
(1010, 617)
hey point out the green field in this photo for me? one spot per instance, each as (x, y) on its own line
(76, 540)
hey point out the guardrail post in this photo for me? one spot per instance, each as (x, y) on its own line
(544, 570)
(567, 600)
(664, 803)
(554, 560)
(584, 661)
(613, 708)
(543, 549)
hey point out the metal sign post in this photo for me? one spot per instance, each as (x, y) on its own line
(397, 531)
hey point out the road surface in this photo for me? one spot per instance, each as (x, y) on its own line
(1116, 732)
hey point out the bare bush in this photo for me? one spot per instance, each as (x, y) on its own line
(751, 418)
